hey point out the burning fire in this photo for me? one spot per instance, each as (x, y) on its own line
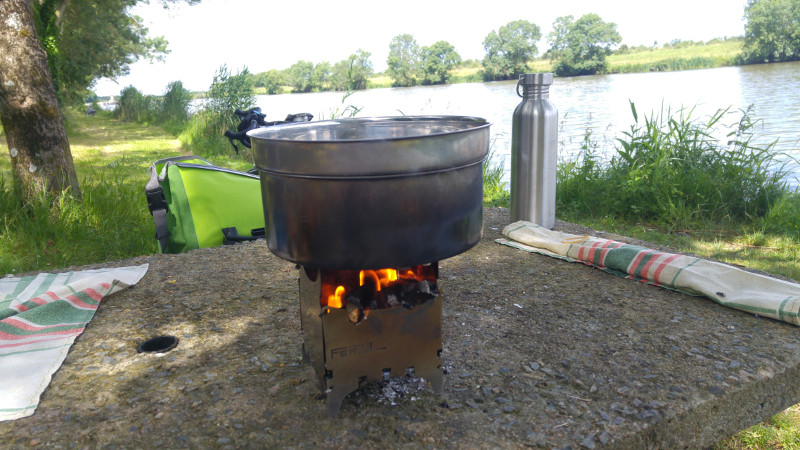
(336, 285)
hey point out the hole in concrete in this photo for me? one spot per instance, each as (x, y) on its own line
(158, 344)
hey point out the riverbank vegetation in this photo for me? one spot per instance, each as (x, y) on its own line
(671, 181)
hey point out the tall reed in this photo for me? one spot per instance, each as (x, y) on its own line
(670, 169)
(494, 188)
(228, 91)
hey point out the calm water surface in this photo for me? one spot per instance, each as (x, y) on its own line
(597, 103)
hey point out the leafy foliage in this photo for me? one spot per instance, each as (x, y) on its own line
(175, 103)
(352, 73)
(228, 92)
(135, 106)
(509, 49)
(437, 61)
(403, 60)
(300, 76)
(772, 32)
(85, 41)
(580, 47)
(174, 113)
(321, 76)
(171, 110)
(271, 81)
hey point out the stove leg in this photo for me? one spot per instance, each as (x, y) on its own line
(337, 395)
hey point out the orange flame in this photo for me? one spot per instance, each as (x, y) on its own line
(337, 284)
(382, 277)
(336, 300)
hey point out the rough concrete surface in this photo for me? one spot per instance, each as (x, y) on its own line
(538, 352)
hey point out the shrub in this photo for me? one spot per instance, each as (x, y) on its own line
(204, 133)
(175, 105)
(136, 107)
(671, 170)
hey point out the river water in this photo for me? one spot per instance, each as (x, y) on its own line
(597, 103)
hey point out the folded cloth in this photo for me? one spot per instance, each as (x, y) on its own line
(40, 317)
(726, 285)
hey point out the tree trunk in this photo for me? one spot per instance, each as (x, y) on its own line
(29, 112)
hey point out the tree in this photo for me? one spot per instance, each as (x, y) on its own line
(403, 60)
(509, 49)
(557, 37)
(581, 47)
(29, 111)
(85, 41)
(772, 31)
(437, 60)
(321, 76)
(272, 80)
(352, 73)
(82, 41)
(300, 76)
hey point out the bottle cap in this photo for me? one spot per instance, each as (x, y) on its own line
(540, 79)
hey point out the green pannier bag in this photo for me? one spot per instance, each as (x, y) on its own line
(196, 204)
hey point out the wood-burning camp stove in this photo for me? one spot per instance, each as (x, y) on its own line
(373, 328)
(367, 208)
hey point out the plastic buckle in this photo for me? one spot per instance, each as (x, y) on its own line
(156, 199)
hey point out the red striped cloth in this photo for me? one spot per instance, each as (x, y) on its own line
(726, 285)
(40, 317)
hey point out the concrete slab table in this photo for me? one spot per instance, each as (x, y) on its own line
(537, 352)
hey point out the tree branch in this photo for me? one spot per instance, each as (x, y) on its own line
(60, 14)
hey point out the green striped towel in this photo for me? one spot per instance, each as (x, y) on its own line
(40, 317)
(726, 285)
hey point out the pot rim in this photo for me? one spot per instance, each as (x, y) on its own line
(284, 131)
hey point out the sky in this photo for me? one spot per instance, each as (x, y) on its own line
(267, 34)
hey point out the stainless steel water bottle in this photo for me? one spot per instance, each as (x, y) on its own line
(534, 152)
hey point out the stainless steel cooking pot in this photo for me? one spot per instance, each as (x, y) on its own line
(372, 193)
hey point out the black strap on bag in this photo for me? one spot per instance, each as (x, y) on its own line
(157, 202)
(231, 235)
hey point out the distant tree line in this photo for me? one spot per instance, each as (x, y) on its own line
(576, 47)
(304, 76)
(580, 47)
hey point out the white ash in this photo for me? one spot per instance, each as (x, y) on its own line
(396, 390)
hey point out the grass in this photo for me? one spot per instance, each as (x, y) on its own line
(745, 245)
(670, 168)
(112, 159)
(679, 57)
(780, 431)
(494, 189)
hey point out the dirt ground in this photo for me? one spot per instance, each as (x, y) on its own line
(537, 352)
